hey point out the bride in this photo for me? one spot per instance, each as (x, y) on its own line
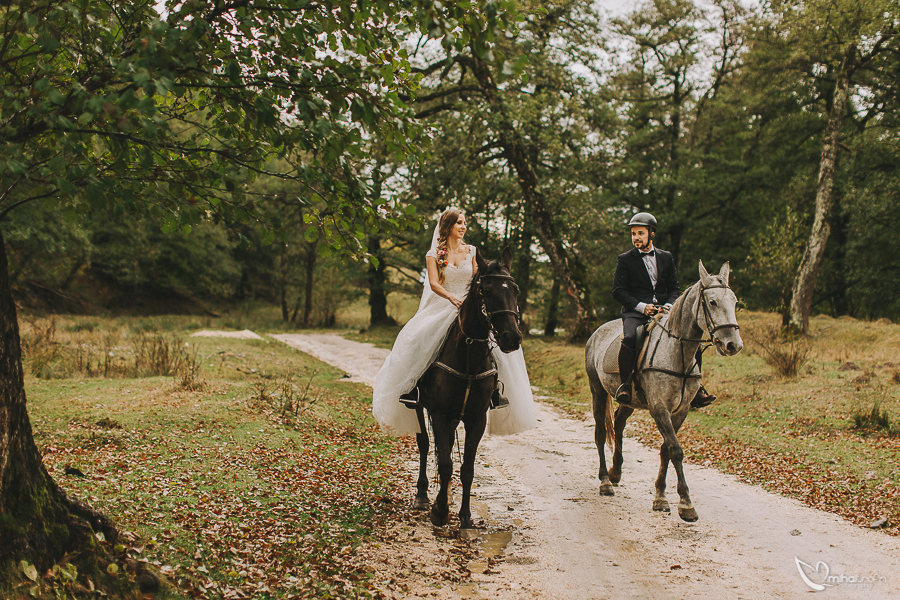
(450, 266)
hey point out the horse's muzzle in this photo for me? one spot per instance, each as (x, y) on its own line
(729, 346)
(509, 341)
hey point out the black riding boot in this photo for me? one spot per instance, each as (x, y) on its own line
(703, 398)
(497, 399)
(626, 368)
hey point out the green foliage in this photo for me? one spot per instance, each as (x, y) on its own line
(871, 209)
(134, 253)
(775, 254)
(44, 246)
(114, 106)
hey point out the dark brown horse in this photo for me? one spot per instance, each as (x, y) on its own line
(459, 385)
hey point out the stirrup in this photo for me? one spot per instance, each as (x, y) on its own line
(623, 394)
(498, 401)
(411, 398)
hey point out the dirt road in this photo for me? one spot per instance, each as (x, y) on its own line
(556, 537)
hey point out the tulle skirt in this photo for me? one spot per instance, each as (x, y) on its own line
(416, 348)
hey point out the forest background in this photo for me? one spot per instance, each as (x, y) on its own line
(203, 157)
(710, 115)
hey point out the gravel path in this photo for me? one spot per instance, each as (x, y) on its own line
(557, 538)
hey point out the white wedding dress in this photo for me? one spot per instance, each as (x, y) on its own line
(416, 348)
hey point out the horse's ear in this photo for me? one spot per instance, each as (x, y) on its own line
(506, 259)
(482, 264)
(705, 279)
(724, 272)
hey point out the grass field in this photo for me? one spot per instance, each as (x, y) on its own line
(246, 470)
(245, 467)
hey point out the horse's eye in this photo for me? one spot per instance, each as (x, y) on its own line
(714, 303)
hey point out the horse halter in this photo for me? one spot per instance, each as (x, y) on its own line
(711, 326)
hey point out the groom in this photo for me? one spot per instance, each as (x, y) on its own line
(645, 283)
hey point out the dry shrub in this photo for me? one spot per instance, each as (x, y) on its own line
(285, 400)
(785, 351)
(40, 349)
(187, 377)
(867, 377)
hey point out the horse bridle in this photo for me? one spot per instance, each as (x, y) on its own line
(489, 315)
(711, 327)
(468, 376)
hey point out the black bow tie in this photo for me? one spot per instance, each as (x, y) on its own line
(651, 253)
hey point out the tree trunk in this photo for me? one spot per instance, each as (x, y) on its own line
(285, 316)
(38, 522)
(14, 276)
(808, 271)
(552, 310)
(377, 286)
(516, 152)
(674, 229)
(64, 286)
(311, 256)
(522, 269)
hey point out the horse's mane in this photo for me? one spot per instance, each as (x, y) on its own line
(491, 264)
(675, 323)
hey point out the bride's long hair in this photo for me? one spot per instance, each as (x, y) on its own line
(445, 225)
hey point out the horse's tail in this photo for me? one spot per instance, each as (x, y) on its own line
(609, 423)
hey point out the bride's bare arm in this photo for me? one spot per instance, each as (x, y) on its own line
(437, 288)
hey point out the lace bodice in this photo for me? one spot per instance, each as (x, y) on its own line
(456, 279)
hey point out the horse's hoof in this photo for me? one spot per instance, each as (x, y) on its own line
(420, 503)
(606, 489)
(688, 514)
(615, 475)
(466, 525)
(438, 520)
(661, 505)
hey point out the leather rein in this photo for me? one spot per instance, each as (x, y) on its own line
(469, 377)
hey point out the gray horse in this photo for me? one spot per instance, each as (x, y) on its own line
(665, 381)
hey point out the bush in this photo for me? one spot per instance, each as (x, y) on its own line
(872, 419)
(787, 352)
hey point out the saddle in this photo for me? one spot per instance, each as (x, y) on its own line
(642, 341)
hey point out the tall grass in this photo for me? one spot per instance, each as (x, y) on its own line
(110, 349)
(873, 418)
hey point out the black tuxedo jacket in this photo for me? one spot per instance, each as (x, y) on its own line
(631, 283)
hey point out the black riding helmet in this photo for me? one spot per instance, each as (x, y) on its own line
(644, 219)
